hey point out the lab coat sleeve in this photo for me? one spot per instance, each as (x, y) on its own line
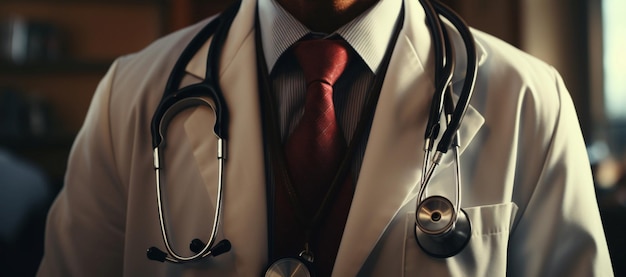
(85, 227)
(559, 233)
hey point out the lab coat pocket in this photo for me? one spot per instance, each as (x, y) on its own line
(485, 254)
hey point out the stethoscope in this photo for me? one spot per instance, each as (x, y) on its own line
(442, 229)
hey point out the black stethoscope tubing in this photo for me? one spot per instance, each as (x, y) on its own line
(444, 68)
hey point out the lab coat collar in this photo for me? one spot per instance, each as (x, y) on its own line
(197, 65)
(393, 158)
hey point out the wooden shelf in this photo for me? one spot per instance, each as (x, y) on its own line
(91, 34)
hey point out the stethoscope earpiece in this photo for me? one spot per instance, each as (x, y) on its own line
(156, 254)
(196, 245)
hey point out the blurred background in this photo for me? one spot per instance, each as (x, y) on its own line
(54, 52)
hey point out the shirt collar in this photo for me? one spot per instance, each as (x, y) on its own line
(368, 34)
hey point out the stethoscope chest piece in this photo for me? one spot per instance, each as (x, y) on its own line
(293, 267)
(437, 230)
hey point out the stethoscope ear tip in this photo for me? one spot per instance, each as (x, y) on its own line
(221, 247)
(196, 245)
(156, 254)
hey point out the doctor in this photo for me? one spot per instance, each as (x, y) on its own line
(527, 187)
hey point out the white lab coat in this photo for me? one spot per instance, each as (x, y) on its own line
(527, 186)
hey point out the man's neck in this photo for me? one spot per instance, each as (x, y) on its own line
(325, 15)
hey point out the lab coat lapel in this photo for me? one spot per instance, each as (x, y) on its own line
(244, 211)
(392, 164)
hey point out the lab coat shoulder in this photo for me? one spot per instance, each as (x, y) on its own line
(518, 77)
(523, 100)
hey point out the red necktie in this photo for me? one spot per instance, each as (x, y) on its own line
(316, 146)
(313, 153)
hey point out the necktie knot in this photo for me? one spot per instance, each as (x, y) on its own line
(321, 59)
